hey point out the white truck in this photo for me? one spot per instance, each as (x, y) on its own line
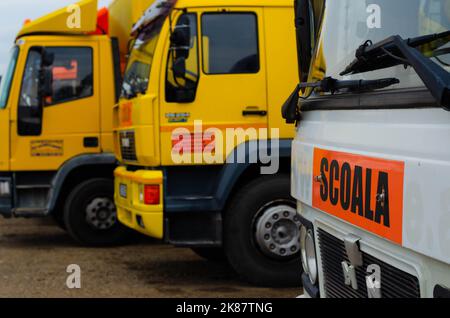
(371, 159)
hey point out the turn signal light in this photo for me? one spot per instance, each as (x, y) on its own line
(151, 194)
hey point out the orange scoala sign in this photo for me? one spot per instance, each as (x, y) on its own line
(366, 192)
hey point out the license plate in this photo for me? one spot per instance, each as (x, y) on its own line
(123, 190)
(364, 191)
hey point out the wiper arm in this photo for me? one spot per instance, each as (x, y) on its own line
(290, 110)
(333, 85)
(384, 54)
(394, 51)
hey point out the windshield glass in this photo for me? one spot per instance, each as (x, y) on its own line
(347, 24)
(140, 62)
(6, 81)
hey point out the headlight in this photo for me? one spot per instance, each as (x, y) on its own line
(308, 252)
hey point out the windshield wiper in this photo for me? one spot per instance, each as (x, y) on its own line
(332, 85)
(290, 110)
(384, 54)
(396, 51)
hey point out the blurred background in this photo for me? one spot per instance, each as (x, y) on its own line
(15, 12)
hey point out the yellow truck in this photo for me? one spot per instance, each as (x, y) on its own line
(204, 151)
(56, 104)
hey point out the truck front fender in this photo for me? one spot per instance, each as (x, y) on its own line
(233, 169)
(73, 164)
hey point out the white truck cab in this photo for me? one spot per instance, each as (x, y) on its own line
(371, 159)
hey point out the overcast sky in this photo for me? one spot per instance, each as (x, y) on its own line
(14, 12)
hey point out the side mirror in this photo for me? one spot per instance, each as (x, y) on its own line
(289, 110)
(45, 83)
(31, 113)
(47, 58)
(179, 67)
(46, 76)
(304, 25)
(181, 38)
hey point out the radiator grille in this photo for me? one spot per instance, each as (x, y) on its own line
(128, 145)
(394, 282)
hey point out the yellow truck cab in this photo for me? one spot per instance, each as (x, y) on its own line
(56, 104)
(371, 157)
(204, 151)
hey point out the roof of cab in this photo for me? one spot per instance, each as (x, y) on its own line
(233, 3)
(65, 20)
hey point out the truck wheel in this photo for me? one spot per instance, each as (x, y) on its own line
(213, 254)
(262, 233)
(90, 215)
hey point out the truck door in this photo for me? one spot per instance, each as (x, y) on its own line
(69, 123)
(224, 86)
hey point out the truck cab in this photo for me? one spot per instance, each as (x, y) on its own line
(371, 158)
(56, 105)
(201, 72)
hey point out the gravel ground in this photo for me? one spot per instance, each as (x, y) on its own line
(34, 255)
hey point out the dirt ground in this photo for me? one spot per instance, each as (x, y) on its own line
(34, 255)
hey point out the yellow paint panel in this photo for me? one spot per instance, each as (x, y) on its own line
(4, 139)
(282, 66)
(65, 125)
(78, 18)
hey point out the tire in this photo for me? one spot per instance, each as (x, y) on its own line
(251, 259)
(84, 214)
(213, 254)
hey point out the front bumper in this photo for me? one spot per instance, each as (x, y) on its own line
(403, 272)
(128, 196)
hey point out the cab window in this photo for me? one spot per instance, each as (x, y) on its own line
(230, 43)
(72, 73)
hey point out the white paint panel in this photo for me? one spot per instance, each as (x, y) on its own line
(302, 169)
(418, 137)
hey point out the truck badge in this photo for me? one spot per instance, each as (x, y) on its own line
(349, 275)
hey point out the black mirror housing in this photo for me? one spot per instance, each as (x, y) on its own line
(289, 110)
(179, 67)
(29, 120)
(47, 58)
(304, 30)
(30, 116)
(180, 38)
(46, 83)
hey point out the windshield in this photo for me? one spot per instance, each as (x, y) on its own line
(140, 62)
(6, 82)
(347, 24)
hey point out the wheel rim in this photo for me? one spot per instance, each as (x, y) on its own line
(278, 230)
(101, 213)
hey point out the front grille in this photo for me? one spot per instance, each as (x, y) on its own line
(128, 145)
(394, 282)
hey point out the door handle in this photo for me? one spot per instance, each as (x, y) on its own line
(254, 113)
